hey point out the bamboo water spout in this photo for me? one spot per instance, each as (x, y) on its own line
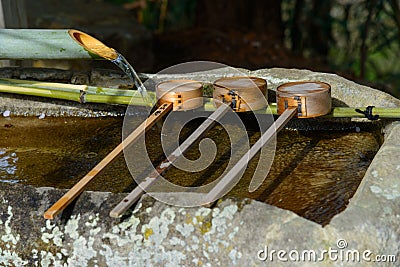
(96, 47)
(50, 44)
(93, 45)
(63, 44)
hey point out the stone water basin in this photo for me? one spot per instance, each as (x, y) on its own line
(314, 173)
(232, 232)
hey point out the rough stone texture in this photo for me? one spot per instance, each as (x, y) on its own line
(233, 233)
(96, 77)
(21, 105)
(344, 92)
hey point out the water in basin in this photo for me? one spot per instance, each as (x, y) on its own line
(314, 173)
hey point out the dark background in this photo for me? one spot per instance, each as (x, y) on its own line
(356, 39)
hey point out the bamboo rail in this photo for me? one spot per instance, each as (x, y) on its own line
(72, 92)
(92, 94)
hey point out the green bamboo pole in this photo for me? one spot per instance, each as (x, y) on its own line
(337, 112)
(89, 94)
(75, 88)
(51, 44)
(94, 94)
(40, 92)
(67, 87)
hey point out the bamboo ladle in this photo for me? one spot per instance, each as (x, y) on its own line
(226, 90)
(183, 89)
(301, 99)
(179, 97)
(78, 188)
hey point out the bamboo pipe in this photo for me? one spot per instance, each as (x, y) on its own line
(78, 188)
(96, 47)
(51, 44)
(63, 44)
(93, 45)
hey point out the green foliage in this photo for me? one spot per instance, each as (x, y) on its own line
(178, 14)
(364, 39)
(181, 14)
(361, 38)
(120, 1)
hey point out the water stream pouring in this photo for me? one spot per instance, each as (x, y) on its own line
(94, 46)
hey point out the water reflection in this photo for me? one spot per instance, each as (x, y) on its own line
(8, 166)
(313, 174)
(58, 152)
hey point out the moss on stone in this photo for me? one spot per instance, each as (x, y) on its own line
(147, 233)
